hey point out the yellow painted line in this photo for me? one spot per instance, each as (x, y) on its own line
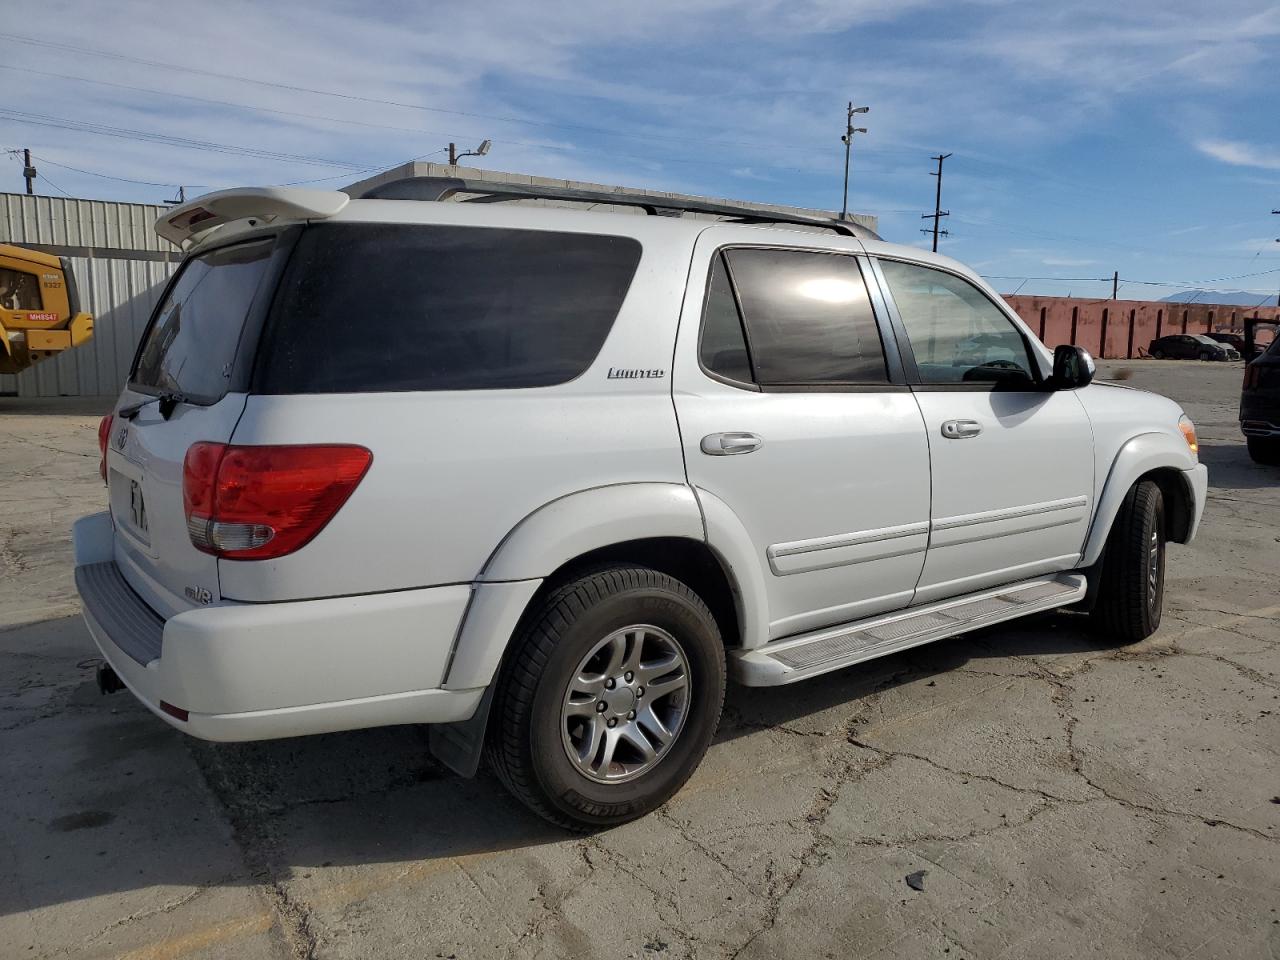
(201, 938)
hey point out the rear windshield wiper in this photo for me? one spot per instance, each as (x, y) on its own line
(167, 401)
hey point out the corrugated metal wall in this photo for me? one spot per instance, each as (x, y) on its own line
(120, 266)
(120, 295)
(68, 222)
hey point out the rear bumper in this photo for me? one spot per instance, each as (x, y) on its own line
(1260, 427)
(262, 671)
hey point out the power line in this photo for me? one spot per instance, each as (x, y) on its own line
(24, 161)
(108, 176)
(1066, 238)
(108, 130)
(356, 98)
(416, 131)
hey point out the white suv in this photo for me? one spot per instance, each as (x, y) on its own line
(545, 477)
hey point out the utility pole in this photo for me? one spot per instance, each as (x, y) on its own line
(938, 212)
(28, 171)
(847, 139)
(1277, 212)
(1115, 285)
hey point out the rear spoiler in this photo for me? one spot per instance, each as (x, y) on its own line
(184, 223)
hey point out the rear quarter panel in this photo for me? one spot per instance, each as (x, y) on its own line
(454, 471)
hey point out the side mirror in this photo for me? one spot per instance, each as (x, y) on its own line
(1072, 367)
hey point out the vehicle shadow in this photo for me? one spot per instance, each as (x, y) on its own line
(56, 406)
(113, 800)
(1230, 467)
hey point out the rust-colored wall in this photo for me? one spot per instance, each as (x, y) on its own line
(1130, 325)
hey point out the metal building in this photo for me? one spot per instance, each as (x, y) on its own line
(121, 266)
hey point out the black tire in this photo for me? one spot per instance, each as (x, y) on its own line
(525, 746)
(1203, 356)
(1158, 354)
(1264, 450)
(1131, 594)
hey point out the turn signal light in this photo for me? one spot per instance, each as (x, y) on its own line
(1189, 434)
(262, 502)
(104, 437)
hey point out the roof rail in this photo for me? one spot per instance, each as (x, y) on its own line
(491, 191)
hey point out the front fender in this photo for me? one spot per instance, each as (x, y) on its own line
(1139, 456)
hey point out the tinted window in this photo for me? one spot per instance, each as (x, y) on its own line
(957, 334)
(18, 290)
(385, 307)
(191, 343)
(808, 317)
(723, 347)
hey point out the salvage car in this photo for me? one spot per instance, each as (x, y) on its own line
(547, 478)
(1184, 346)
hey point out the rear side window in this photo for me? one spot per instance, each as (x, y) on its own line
(808, 318)
(723, 346)
(191, 343)
(368, 308)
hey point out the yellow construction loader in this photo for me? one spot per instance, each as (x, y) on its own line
(39, 308)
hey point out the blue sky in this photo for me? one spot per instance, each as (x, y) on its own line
(1086, 137)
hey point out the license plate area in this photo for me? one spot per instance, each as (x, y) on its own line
(129, 506)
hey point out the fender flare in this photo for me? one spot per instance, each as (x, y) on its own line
(587, 520)
(590, 519)
(1138, 456)
(730, 542)
(545, 540)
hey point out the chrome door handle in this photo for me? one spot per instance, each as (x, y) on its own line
(730, 444)
(961, 429)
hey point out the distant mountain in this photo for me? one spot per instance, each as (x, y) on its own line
(1235, 298)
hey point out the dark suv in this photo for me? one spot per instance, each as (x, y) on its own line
(1187, 346)
(1260, 406)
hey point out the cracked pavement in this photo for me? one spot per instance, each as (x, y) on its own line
(1067, 798)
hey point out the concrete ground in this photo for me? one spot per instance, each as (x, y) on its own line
(1067, 799)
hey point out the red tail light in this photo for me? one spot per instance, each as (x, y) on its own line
(104, 436)
(257, 503)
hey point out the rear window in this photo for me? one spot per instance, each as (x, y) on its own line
(190, 345)
(388, 307)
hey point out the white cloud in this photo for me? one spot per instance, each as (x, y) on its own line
(1241, 154)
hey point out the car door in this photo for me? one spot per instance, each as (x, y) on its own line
(795, 416)
(1012, 461)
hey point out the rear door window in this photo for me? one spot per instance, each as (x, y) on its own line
(808, 318)
(391, 307)
(190, 345)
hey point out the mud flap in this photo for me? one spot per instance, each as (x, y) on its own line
(459, 746)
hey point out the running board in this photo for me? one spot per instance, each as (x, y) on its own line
(797, 658)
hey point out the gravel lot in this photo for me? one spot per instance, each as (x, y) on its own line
(1067, 799)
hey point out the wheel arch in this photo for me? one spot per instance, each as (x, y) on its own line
(659, 525)
(1161, 458)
